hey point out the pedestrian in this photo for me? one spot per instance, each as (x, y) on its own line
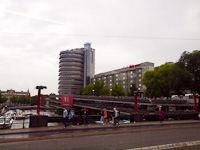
(86, 117)
(65, 117)
(199, 115)
(116, 117)
(161, 114)
(79, 120)
(102, 116)
(105, 116)
(113, 115)
(70, 118)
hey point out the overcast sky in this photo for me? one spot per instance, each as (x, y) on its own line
(122, 32)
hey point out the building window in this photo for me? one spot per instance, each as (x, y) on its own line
(139, 70)
(117, 79)
(110, 84)
(140, 80)
(116, 75)
(104, 77)
(140, 85)
(123, 82)
(124, 78)
(124, 87)
(131, 76)
(131, 81)
(110, 80)
(124, 73)
(140, 75)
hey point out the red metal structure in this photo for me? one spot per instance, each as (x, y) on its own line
(195, 104)
(38, 98)
(135, 104)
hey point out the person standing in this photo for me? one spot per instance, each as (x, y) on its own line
(161, 114)
(65, 113)
(86, 117)
(70, 118)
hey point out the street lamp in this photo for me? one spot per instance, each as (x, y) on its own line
(135, 100)
(111, 92)
(93, 92)
(38, 98)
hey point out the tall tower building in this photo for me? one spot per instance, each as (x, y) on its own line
(76, 69)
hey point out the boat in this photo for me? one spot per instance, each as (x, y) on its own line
(5, 122)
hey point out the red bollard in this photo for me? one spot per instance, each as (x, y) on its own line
(135, 104)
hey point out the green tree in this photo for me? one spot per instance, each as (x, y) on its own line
(2, 99)
(98, 87)
(157, 81)
(191, 62)
(132, 89)
(117, 90)
(88, 90)
(180, 80)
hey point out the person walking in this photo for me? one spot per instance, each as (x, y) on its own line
(161, 114)
(65, 113)
(116, 117)
(105, 116)
(70, 118)
(102, 117)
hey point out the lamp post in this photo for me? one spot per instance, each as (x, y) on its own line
(135, 100)
(93, 92)
(111, 92)
(38, 98)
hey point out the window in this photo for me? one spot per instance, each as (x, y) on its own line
(124, 87)
(104, 77)
(124, 78)
(124, 73)
(140, 85)
(110, 84)
(140, 75)
(116, 75)
(139, 70)
(123, 82)
(110, 80)
(131, 81)
(131, 76)
(140, 80)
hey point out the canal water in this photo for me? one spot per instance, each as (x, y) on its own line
(24, 123)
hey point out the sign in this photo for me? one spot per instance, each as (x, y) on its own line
(132, 66)
(67, 101)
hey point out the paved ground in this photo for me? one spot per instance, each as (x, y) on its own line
(124, 136)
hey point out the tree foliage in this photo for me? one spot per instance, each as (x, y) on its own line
(191, 62)
(117, 90)
(156, 81)
(21, 99)
(132, 89)
(2, 99)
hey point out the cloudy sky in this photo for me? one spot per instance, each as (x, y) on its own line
(123, 32)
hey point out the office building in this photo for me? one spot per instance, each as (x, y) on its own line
(76, 68)
(125, 76)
